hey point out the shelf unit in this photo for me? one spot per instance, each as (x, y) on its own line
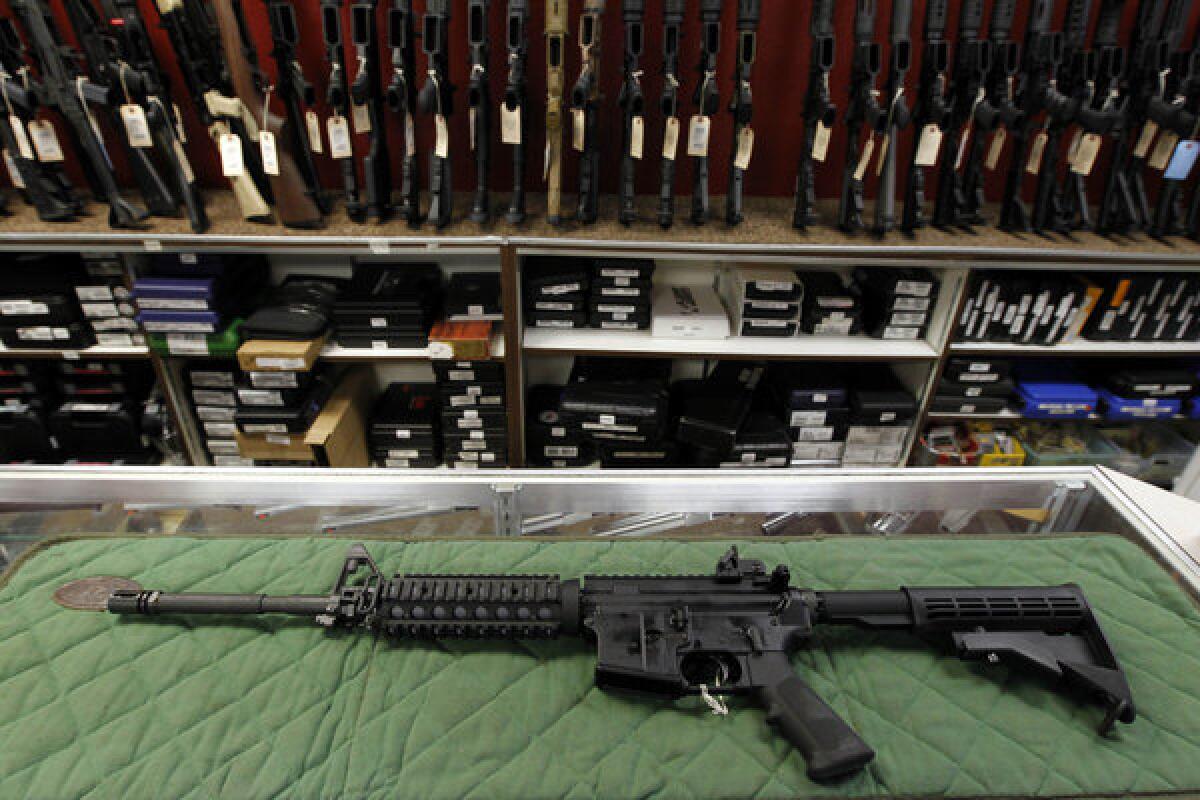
(75, 355)
(797, 348)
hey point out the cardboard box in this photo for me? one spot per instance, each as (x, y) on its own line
(278, 355)
(461, 341)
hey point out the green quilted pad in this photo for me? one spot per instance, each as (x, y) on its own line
(96, 707)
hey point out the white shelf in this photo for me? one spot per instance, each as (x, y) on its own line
(72, 355)
(1080, 347)
(793, 348)
(333, 352)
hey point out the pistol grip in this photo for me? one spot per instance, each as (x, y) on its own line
(830, 747)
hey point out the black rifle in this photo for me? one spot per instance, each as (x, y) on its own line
(742, 108)
(515, 100)
(297, 94)
(437, 98)
(197, 47)
(479, 99)
(819, 112)
(633, 106)
(673, 13)
(863, 109)
(45, 184)
(931, 108)
(367, 98)
(730, 633)
(898, 115)
(401, 98)
(1035, 95)
(556, 81)
(585, 101)
(707, 100)
(337, 96)
(1174, 112)
(71, 94)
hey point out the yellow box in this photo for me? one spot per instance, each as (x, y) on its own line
(279, 355)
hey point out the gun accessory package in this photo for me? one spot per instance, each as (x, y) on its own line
(729, 633)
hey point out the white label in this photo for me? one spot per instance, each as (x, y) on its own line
(45, 141)
(995, 149)
(510, 124)
(313, 124)
(441, 351)
(273, 380)
(804, 419)
(818, 397)
(232, 165)
(470, 423)
(608, 419)
(270, 157)
(745, 149)
(265, 427)
(403, 433)
(887, 416)
(820, 145)
(14, 174)
(671, 139)
(929, 145)
(187, 345)
(441, 147)
(915, 288)
(220, 429)
(339, 137)
(260, 397)
(1149, 131)
(475, 310)
(911, 304)
(18, 129)
(864, 160)
(101, 310)
(461, 375)
(377, 344)
(698, 134)
(176, 304)
(1034, 165)
(268, 362)
(637, 138)
(1085, 154)
(137, 130)
(578, 129)
(379, 247)
(279, 439)
(900, 333)
(819, 434)
(361, 116)
(379, 322)
(22, 308)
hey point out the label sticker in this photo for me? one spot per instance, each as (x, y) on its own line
(24, 149)
(270, 157)
(441, 147)
(671, 139)
(698, 134)
(1034, 165)
(180, 131)
(1183, 160)
(1149, 131)
(820, 145)
(637, 138)
(339, 137)
(745, 148)
(361, 115)
(578, 129)
(133, 117)
(313, 124)
(1086, 153)
(995, 149)
(1163, 150)
(510, 124)
(232, 165)
(864, 160)
(928, 146)
(45, 141)
(14, 174)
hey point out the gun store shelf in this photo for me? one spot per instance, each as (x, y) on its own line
(1079, 347)
(814, 348)
(333, 352)
(75, 355)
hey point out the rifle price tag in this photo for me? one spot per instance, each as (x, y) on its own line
(745, 148)
(441, 144)
(339, 137)
(18, 128)
(14, 174)
(995, 149)
(820, 145)
(510, 124)
(361, 114)
(410, 135)
(133, 117)
(1034, 165)
(928, 146)
(1183, 160)
(314, 131)
(270, 157)
(578, 129)
(637, 138)
(671, 139)
(1163, 150)
(45, 141)
(232, 165)
(864, 160)
(1085, 154)
(698, 132)
(1149, 131)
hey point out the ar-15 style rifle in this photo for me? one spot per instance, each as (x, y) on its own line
(71, 94)
(43, 184)
(1036, 94)
(730, 633)
(633, 107)
(819, 112)
(556, 82)
(898, 115)
(293, 199)
(673, 13)
(514, 112)
(479, 100)
(1172, 110)
(708, 101)
(742, 108)
(931, 114)
(585, 104)
(402, 101)
(337, 96)
(437, 98)
(197, 47)
(368, 109)
(863, 109)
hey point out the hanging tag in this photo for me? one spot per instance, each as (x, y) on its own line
(441, 146)
(820, 145)
(745, 148)
(24, 149)
(14, 174)
(510, 124)
(410, 135)
(698, 132)
(314, 131)
(1163, 150)
(45, 141)
(1034, 164)
(361, 116)
(671, 139)
(1149, 131)
(1085, 154)
(180, 131)
(339, 137)
(136, 128)
(1183, 160)
(995, 149)
(578, 129)
(864, 160)
(928, 146)
(637, 138)
(184, 164)
(883, 148)
(232, 165)
(472, 116)
(270, 158)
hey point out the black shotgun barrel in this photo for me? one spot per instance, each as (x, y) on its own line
(149, 603)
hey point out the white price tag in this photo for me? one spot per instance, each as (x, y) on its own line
(441, 146)
(362, 118)
(820, 144)
(671, 139)
(995, 149)
(928, 146)
(270, 157)
(637, 138)
(14, 174)
(864, 160)
(698, 134)
(339, 137)
(745, 148)
(440, 351)
(578, 129)
(45, 141)
(1163, 150)
(24, 149)
(1034, 164)
(232, 165)
(379, 247)
(1149, 131)
(185, 345)
(313, 124)
(136, 128)
(510, 124)
(1085, 154)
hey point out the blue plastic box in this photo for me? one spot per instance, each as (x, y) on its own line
(1047, 400)
(1119, 408)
